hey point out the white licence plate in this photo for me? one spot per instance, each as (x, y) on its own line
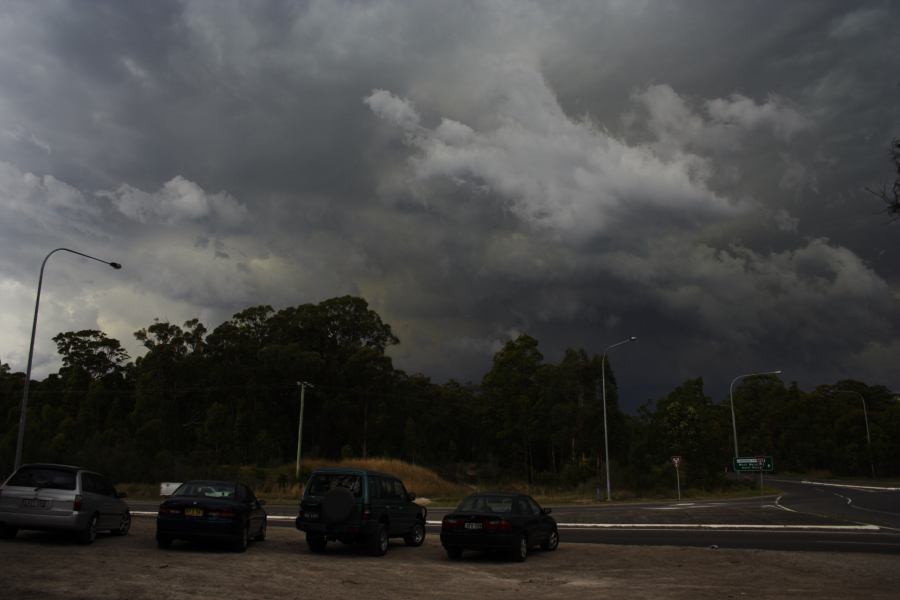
(473, 525)
(35, 503)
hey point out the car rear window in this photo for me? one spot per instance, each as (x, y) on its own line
(497, 504)
(206, 489)
(322, 483)
(42, 477)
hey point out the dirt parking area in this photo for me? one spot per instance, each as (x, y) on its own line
(39, 565)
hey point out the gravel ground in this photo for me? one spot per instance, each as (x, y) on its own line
(40, 565)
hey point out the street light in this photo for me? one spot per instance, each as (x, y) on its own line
(866, 417)
(731, 397)
(21, 439)
(303, 385)
(605, 434)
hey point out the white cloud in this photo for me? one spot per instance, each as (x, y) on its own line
(723, 122)
(556, 173)
(394, 109)
(179, 200)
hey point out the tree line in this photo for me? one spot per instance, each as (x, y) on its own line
(198, 400)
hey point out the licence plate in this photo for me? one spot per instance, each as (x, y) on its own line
(473, 525)
(35, 503)
(312, 516)
(193, 512)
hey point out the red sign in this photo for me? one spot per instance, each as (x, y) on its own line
(676, 460)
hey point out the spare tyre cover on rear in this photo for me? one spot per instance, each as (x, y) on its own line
(338, 505)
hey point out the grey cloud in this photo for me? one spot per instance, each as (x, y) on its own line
(467, 169)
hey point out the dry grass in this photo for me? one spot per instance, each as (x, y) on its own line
(278, 483)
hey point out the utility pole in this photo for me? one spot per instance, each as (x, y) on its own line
(303, 385)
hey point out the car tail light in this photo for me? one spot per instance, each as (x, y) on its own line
(169, 510)
(366, 512)
(451, 523)
(300, 514)
(497, 525)
(76, 504)
(221, 514)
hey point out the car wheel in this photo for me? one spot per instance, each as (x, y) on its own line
(7, 532)
(453, 553)
(89, 534)
(316, 542)
(378, 544)
(243, 541)
(520, 550)
(124, 524)
(416, 535)
(261, 536)
(552, 542)
(163, 542)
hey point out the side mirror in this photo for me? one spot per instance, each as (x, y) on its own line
(410, 497)
(261, 502)
(121, 495)
(546, 511)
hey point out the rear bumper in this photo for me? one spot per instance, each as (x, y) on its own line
(69, 521)
(478, 541)
(342, 530)
(198, 529)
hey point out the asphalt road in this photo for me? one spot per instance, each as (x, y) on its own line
(805, 516)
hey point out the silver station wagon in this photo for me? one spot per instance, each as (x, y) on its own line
(49, 497)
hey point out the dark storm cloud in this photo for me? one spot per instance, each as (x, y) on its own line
(690, 173)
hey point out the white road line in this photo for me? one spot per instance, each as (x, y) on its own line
(870, 488)
(717, 526)
(644, 525)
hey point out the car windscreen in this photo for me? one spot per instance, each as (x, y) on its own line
(207, 489)
(322, 483)
(496, 504)
(44, 477)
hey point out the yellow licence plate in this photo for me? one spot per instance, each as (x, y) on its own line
(193, 512)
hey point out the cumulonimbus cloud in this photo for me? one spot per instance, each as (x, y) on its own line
(555, 172)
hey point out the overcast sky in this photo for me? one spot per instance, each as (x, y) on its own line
(691, 173)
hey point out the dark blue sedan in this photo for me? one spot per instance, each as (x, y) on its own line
(215, 511)
(498, 521)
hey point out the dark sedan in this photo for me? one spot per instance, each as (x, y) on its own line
(496, 521)
(217, 511)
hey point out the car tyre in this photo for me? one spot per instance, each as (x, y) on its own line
(124, 525)
(520, 550)
(316, 542)
(416, 535)
(89, 534)
(243, 541)
(378, 543)
(163, 543)
(453, 553)
(261, 536)
(552, 542)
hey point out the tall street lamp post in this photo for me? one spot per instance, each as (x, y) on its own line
(303, 385)
(21, 439)
(605, 434)
(868, 435)
(731, 397)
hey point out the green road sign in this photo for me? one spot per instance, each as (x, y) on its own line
(751, 464)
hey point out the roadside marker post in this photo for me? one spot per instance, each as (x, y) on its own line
(761, 465)
(676, 460)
